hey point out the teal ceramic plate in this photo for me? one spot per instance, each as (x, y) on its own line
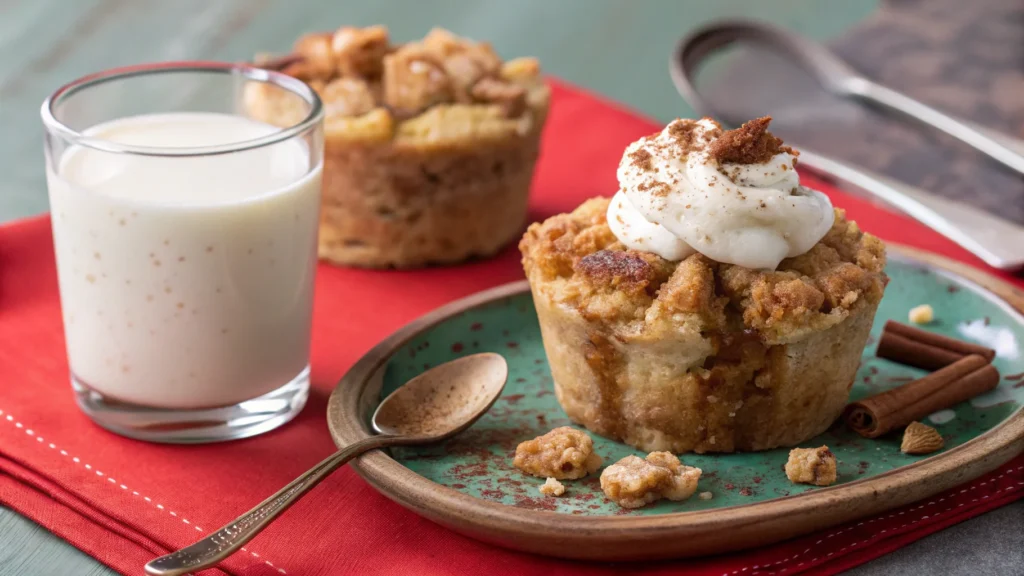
(470, 484)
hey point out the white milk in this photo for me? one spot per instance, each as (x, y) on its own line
(186, 282)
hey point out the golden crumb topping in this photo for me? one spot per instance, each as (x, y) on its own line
(360, 74)
(563, 454)
(577, 260)
(629, 271)
(634, 482)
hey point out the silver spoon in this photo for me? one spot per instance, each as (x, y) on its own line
(840, 79)
(431, 407)
(999, 242)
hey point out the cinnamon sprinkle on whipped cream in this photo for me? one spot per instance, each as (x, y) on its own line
(733, 196)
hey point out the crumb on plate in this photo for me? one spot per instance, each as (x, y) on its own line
(552, 487)
(563, 454)
(921, 439)
(634, 482)
(922, 314)
(811, 466)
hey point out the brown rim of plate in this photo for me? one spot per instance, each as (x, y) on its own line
(672, 535)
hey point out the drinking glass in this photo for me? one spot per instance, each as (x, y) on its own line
(185, 240)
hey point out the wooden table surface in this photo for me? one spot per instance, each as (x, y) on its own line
(618, 48)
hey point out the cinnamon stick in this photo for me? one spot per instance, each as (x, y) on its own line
(913, 353)
(923, 349)
(881, 413)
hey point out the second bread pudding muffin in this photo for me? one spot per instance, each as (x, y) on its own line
(713, 304)
(429, 146)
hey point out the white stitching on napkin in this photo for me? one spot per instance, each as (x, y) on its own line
(757, 568)
(76, 460)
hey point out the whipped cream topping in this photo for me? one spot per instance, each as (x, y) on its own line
(733, 196)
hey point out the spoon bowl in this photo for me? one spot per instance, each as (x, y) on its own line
(438, 404)
(433, 406)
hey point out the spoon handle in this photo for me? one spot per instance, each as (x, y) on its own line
(224, 542)
(999, 242)
(996, 148)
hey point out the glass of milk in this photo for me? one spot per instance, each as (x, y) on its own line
(185, 239)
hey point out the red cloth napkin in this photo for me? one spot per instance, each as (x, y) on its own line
(124, 501)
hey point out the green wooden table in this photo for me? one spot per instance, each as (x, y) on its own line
(618, 48)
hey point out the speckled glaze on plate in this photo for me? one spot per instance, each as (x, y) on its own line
(478, 463)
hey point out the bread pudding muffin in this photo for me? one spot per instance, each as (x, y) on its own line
(429, 146)
(713, 305)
